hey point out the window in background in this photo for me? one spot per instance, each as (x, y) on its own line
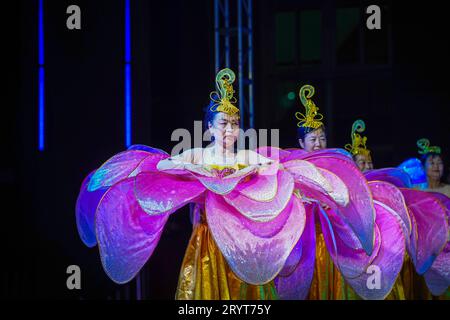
(285, 43)
(347, 35)
(310, 25)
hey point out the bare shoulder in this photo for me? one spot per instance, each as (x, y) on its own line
(193, 155)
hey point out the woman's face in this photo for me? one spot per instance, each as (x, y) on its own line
(225, 129)
(434, 166)
(313, 141)
(364, 162)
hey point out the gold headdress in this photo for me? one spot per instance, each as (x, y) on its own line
(223, 97)
(358, 145)
(424, 147)
(311, 118)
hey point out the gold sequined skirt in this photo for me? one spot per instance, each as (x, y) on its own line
(327, 282)
(205, 274)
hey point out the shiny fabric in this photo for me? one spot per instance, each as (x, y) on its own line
(85, 208)
(253, 228)
(426, 271)
(328, 283)
(125, 204)
(263, 246)
(118, 167)
(349, 235)
(388, 261)
(126, 234)
(205, 274)
(294, 280)
(359, 213)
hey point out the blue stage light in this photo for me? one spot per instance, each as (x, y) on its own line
(127, 75)
(41, 117)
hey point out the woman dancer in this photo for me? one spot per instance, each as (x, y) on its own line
(345, 238)
(425, 233)
(248, 221)
(363, 159)
(433, 163)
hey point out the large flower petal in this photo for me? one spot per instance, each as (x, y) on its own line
(343, 245)
(254, 259)
(339, 191)
(221, 185)
(126, 234)
(359, 213)
(430, 217)
(305, 172)
(160, 193)
(149, 164)
(259, 187)
(437, 277)
(117, 168)
(294, 280)
(395, 176)
(379, 278)
(273, 152)
(389, 195)
(264, 211)
(303, 155)
(148, 149)
(86, 206)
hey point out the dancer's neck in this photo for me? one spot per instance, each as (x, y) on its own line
(433, 183)
(221, 154)
(220, 150)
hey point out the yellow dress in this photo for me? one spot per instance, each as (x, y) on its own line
(327, 283)
(206, 275)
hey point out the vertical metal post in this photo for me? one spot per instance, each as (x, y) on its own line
(227, 33)
(127, 74)
(228, 37)
(250, 62)
(240, 65)
(41, 83)
(217, 34)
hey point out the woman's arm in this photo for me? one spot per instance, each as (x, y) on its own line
(178, 161)
(264, 165)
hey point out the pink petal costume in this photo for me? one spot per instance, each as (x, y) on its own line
(423, 219)
(428, 241)
(259, 226)
(363, 231)
(428, 244)
(353, 245)
(255, 220)
(247, 222)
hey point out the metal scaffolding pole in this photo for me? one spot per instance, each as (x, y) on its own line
(236, 33)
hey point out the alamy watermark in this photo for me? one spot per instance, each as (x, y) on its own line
(373, 281)
(74, 279)
(250, 139)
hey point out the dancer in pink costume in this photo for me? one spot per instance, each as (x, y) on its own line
(251, 218)
(428, 243)
(363, 231)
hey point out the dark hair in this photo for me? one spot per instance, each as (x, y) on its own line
(303, 131)
(209, 115)
(425, 157)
